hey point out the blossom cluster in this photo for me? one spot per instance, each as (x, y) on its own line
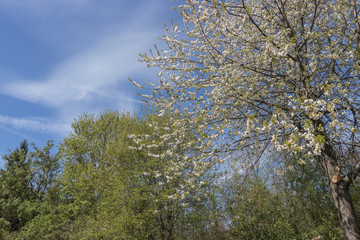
(251, 74)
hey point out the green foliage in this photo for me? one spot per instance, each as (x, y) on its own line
(27, 180)
(289, 202)
(114, 190)
(49, 223)
(113, 186)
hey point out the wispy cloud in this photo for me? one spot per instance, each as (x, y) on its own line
(92, 73)
(91, 77)
(88, 81)
(33, 124)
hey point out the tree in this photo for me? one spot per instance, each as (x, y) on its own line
(15, 187)
(98, 166)
(26, 183)
(113, 187)
(280, 202)
(268, 75)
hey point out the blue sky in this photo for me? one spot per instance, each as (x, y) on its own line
(60, 58)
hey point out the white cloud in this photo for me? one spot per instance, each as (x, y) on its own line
(95, 72)
(101, 53)
(90, 81)
(96, 69)
(34, 124)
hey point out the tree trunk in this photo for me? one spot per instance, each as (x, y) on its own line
(339, 186)
(342, 201)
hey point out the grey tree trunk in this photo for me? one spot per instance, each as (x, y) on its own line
(342, 201)
(339, 186)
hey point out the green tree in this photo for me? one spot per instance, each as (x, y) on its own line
(267, 75)
(15, 187)
(280, 201)
(114, 187)
(26, 182)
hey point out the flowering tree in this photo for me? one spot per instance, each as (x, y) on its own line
(267, 75)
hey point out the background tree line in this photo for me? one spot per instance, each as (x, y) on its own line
(95, 185)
